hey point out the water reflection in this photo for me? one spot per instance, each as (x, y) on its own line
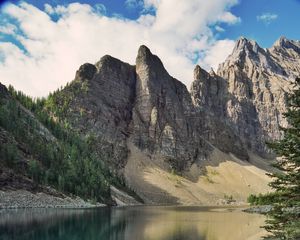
(150, 223)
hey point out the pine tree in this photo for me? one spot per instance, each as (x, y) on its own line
(284, 219)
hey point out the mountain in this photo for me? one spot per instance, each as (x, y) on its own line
(46, 164)
(170, 145)
(259, 80)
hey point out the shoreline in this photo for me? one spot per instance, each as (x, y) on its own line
(263, 209)
(23, 199)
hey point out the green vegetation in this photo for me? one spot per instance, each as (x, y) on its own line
(262, 199)
(174, 177)
(208, 179)
(9, 153)
(213, 172)
(284, 218)
(229, 198)
(176, 166)
(210, 173)
(61, 158)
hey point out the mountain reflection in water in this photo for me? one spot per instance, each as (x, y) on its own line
(131, 223)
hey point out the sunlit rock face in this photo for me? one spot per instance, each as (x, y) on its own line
(258, 81)
(236, 109)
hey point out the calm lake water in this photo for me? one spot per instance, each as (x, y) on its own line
(131, 223)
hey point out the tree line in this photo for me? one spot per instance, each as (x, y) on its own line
(65, 162)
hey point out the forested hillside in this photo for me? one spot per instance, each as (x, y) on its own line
(35, 145)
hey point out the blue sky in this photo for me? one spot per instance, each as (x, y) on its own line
(285, 24)
(265, 33)
(38, 37)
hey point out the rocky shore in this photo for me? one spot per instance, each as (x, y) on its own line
(11, 199)
(264, 209)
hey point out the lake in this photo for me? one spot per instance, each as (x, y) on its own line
(131, 223)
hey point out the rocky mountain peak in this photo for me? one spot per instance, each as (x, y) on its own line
(3, 90)
(248, 55)
(143, 52)
(145, 58)
(243, 44)
(86, 71)
(212, 72)
(108, 61)
(281, 41)
(151, 75)
(285, 53)
(284, 44)
(200, 74)
(258, 80)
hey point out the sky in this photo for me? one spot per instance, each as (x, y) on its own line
(43, 43)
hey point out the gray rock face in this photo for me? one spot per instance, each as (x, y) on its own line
(286, 53)
(163, 114)
(258, 82)
(100, 105)
(210, 96)
(3, 91)
(235, 110)
(144, 111)
(116, 103)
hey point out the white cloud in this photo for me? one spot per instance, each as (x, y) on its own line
(219, 29)
(100, 8)
(179, 33)
(131, 4)
(8, 28)
(267, 18)
(218, 53)
(229, 18)
(48, 8)
(151, 3)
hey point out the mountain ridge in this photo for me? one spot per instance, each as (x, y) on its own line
(140, 118)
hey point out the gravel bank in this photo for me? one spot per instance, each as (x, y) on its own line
(264, 209)
(259, 209)
(26, 199)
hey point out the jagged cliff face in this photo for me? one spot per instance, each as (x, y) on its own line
(210, 96)
(234, 110)
(258, 81)
(163, 114)
(118, 103)
(148, 126)
(99, 105)
(286, 53)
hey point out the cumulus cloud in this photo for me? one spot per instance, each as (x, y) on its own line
(219, 29)
(48, 8)
(50, 51)
(134, 3)
(218, 53)
(8, 28)
(228, 17)
(267, 18)
(100, 8)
